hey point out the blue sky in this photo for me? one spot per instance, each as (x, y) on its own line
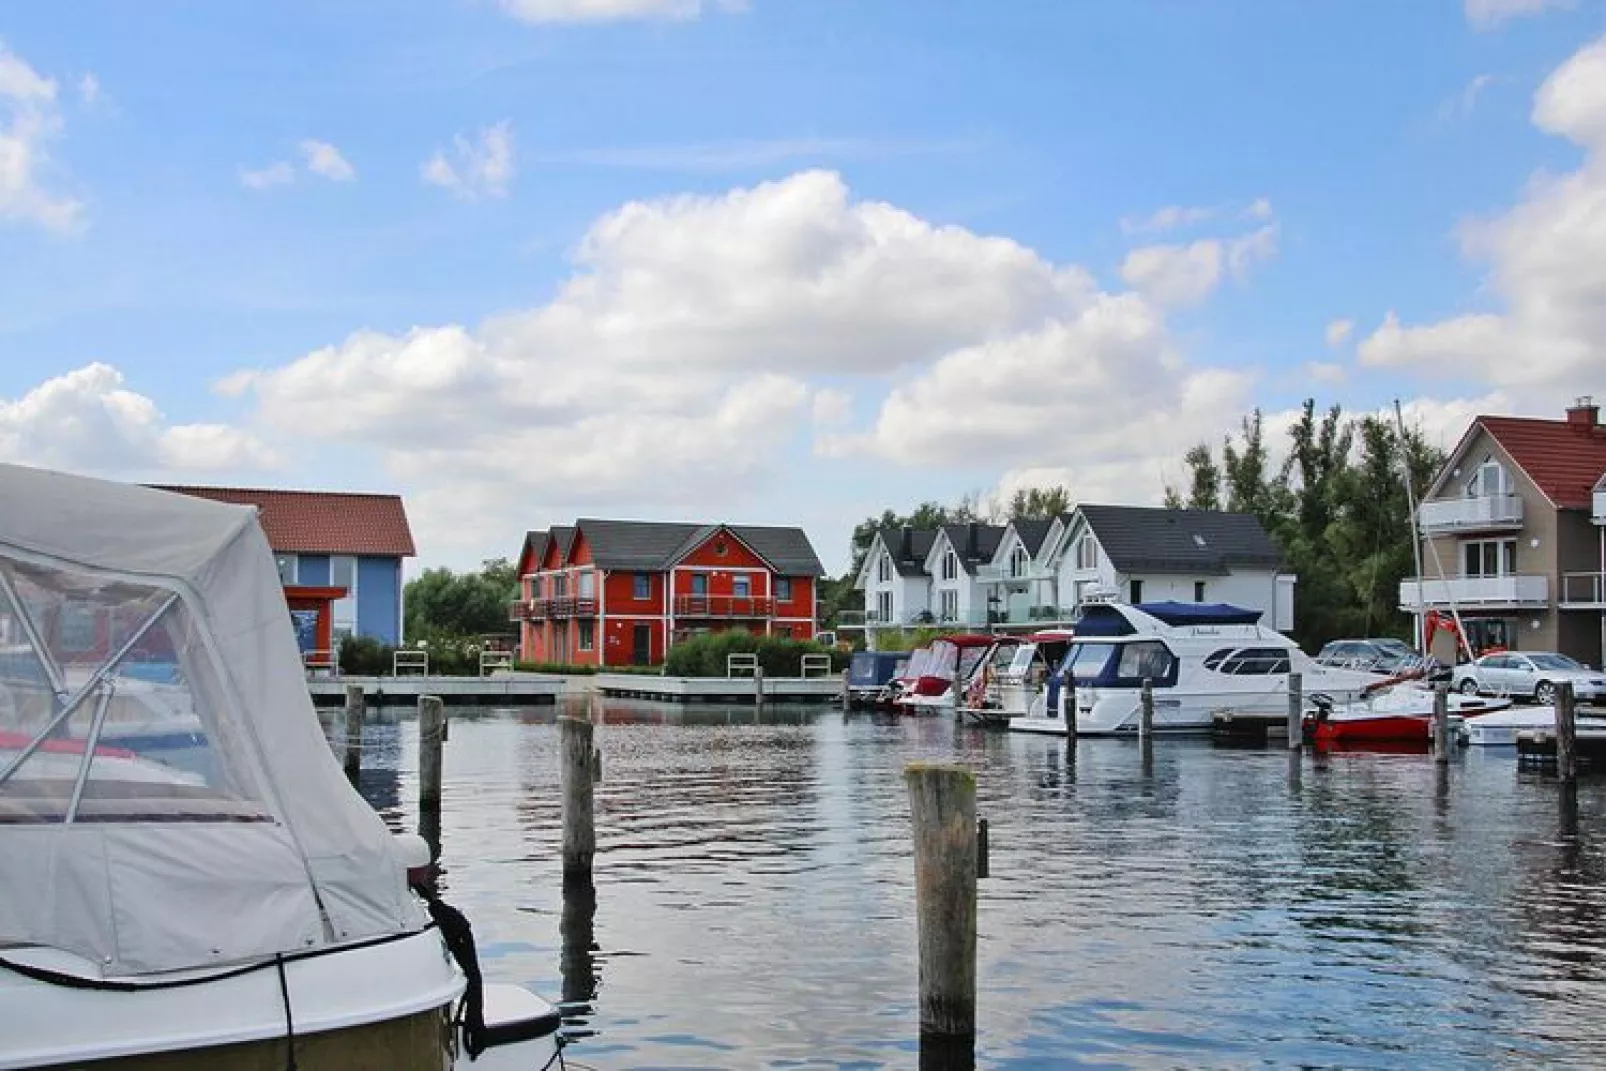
(780, 261)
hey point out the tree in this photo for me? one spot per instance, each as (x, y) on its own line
(441, 602)
(1039, 503)
(1204, 490)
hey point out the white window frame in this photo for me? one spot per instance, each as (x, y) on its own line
(1019, 560)
(883, 569)
(1505, 556)
(1478, 485)
(346, 604)
(783, 589)
(586, 635)
(883, 606)
(1087, 552)
(950, 565)
(948, 604)
(288, 577)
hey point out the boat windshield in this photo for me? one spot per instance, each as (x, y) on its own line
(1086, 661)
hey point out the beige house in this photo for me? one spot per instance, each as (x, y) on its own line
(1513, 534)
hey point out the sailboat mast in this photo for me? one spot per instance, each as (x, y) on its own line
(1416, 549)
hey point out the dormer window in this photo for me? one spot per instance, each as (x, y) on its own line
(1488, 480)
(883, 569)
(950, 565)
(1018, 561)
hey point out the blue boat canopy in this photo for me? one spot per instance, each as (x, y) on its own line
(871, 668)
(1200, 613)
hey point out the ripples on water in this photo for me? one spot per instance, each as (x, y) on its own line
(1184, 906)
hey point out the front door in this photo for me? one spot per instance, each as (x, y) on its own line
(641, 645)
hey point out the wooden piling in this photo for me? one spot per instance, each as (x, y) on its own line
(758, 686)
(942, 810)
(1296, 711)
(579, 818)
(1441, 724)
(1566, 733)
(847, 696)
(1146, 708)
(431, 734)
(983, 850)
(1068, 697)
(354, 712)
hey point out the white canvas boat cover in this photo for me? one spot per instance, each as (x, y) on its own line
(167, 797)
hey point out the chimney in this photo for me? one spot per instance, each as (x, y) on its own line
(1584, 413)
(906, 543)
(973, 551)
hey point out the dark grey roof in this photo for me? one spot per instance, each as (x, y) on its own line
(655, 545)
(909, 547)
(1160, 540)
(534, 547)
(563, 536)
(974, 543)
(1032, 532)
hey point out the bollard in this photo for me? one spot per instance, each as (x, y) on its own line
(983, 853)
(1296, 711)
(579, 824)
(1566, 733)
(942, 810)
(431, 733)
(1441, 724)
(354, 709)
(1146, 708)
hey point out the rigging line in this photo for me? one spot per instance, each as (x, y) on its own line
(289, 1017)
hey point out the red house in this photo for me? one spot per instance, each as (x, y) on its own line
(616, 593)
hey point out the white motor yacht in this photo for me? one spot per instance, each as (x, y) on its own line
(245, 911)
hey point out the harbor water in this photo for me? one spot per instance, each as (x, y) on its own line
(1176, 905)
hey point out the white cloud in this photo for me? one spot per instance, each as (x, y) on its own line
(1338, 332)
(832, 407)
(89, 88)
(1325, 372)
(1487, 14)
(1164, 219)
(1547, 259)
(324, 159)
(538, 11)
(1462, 105)
(1250, 249)
(30, 120)
(86, 420)
(1259, 208)
(1174, 274)
(478, 167)
(278, 173)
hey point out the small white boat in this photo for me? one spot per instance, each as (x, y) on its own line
(1008, 680)
(1500, 729)
(249, 911)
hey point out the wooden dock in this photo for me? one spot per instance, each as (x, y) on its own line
(1250, 729)
(1537, 747)
(498, 689)
(736, 690)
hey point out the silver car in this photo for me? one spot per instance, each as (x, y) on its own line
(1532, 673)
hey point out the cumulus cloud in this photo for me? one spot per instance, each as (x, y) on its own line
(89, 88)
(278, 173)
(832, 407)
(1487, 14)
(481, 166)
(538, 11)
(30, 121)
(86, 420)
(1338, 332)
(324, 159)
(1325, 372)
(1179, 275)
(1165, 219)
(1547, 261)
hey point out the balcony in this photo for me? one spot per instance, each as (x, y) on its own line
(518, 610)
(565, 607)
(728, 606)
(1000, 574)
(1582, 591)
(1489, 513)
(1475, 593)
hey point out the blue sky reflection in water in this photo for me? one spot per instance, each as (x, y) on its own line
(1203, 907)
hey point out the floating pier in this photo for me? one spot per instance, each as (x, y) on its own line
(1538, 747)
(757, 690)
(1250, 728)
(498, 689)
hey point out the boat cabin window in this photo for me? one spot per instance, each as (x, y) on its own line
(1086, 661)
(1125, 664)
(1144, 660)
(1249, 661)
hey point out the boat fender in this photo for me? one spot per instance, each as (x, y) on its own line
(459, 937)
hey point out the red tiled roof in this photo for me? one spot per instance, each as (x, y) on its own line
(321, 522)
(1565, 460)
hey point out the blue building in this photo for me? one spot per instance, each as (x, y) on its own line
(340, 558)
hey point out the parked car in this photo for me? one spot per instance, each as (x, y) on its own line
(1531, 673)
(1383, 654)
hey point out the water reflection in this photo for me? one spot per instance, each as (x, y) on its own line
(578, 964)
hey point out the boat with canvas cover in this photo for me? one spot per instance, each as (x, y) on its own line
(950, 660)
(1008, 680)
(251, 911)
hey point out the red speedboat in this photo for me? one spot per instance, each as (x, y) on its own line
(1394, 716)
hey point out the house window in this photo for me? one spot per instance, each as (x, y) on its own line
(1489, 557)
(643, 586)
(343, 574)
(1489, 479)
(1018, 560)
(1198, 591)
(883, 569)
(950, 565)
(588, 585)
(949, 605)
(741, 587)
(883, 606)
(699, 583)
(1136, 592)
(783, 589)
(1087, 552)
(287, 567)
(588, 634)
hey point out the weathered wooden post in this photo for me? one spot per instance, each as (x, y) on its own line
(1146, 708)
(942, 810)
(577, 930)
(1441, 724)
(1068, 698)
(1296, 710)
(579, 818)
(983, 850)
(354, 711)
(758, 686)
(1566, 733)
(431, 734)
(847, 697)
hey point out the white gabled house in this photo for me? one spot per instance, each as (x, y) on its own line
(958, 553)
(1018, 584)
(897, 589)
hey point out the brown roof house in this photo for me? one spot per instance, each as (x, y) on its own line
(1514, 536)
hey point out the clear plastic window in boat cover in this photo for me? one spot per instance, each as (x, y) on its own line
(167, 798)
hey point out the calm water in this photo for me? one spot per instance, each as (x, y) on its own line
(1198, 907)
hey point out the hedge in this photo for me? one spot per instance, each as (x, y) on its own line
(705, 655)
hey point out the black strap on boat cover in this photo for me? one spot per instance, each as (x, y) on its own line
(459, 938)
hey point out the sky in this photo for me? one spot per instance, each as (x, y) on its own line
(778, 261)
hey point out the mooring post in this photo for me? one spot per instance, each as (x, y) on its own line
(983, 850)
(431, 734)
(579, 819)
(1566, 733)
(1296, 710)
(758, 686)
(354, 709)
(1146, 704)
(1068, 698)
(847, 700)
(942, 810)
(1441, 724)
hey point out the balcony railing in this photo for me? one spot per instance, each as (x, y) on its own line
(724, 606)
(1471, 514)
(1600, 507)
(1582, 591)
(525, 610)
(975, 618)
(562, 608)
(1475, 592)
(1000, 574)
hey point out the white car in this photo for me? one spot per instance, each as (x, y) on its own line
(1532, 673)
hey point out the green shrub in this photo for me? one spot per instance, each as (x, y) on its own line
(364, 656)
(779, 656)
